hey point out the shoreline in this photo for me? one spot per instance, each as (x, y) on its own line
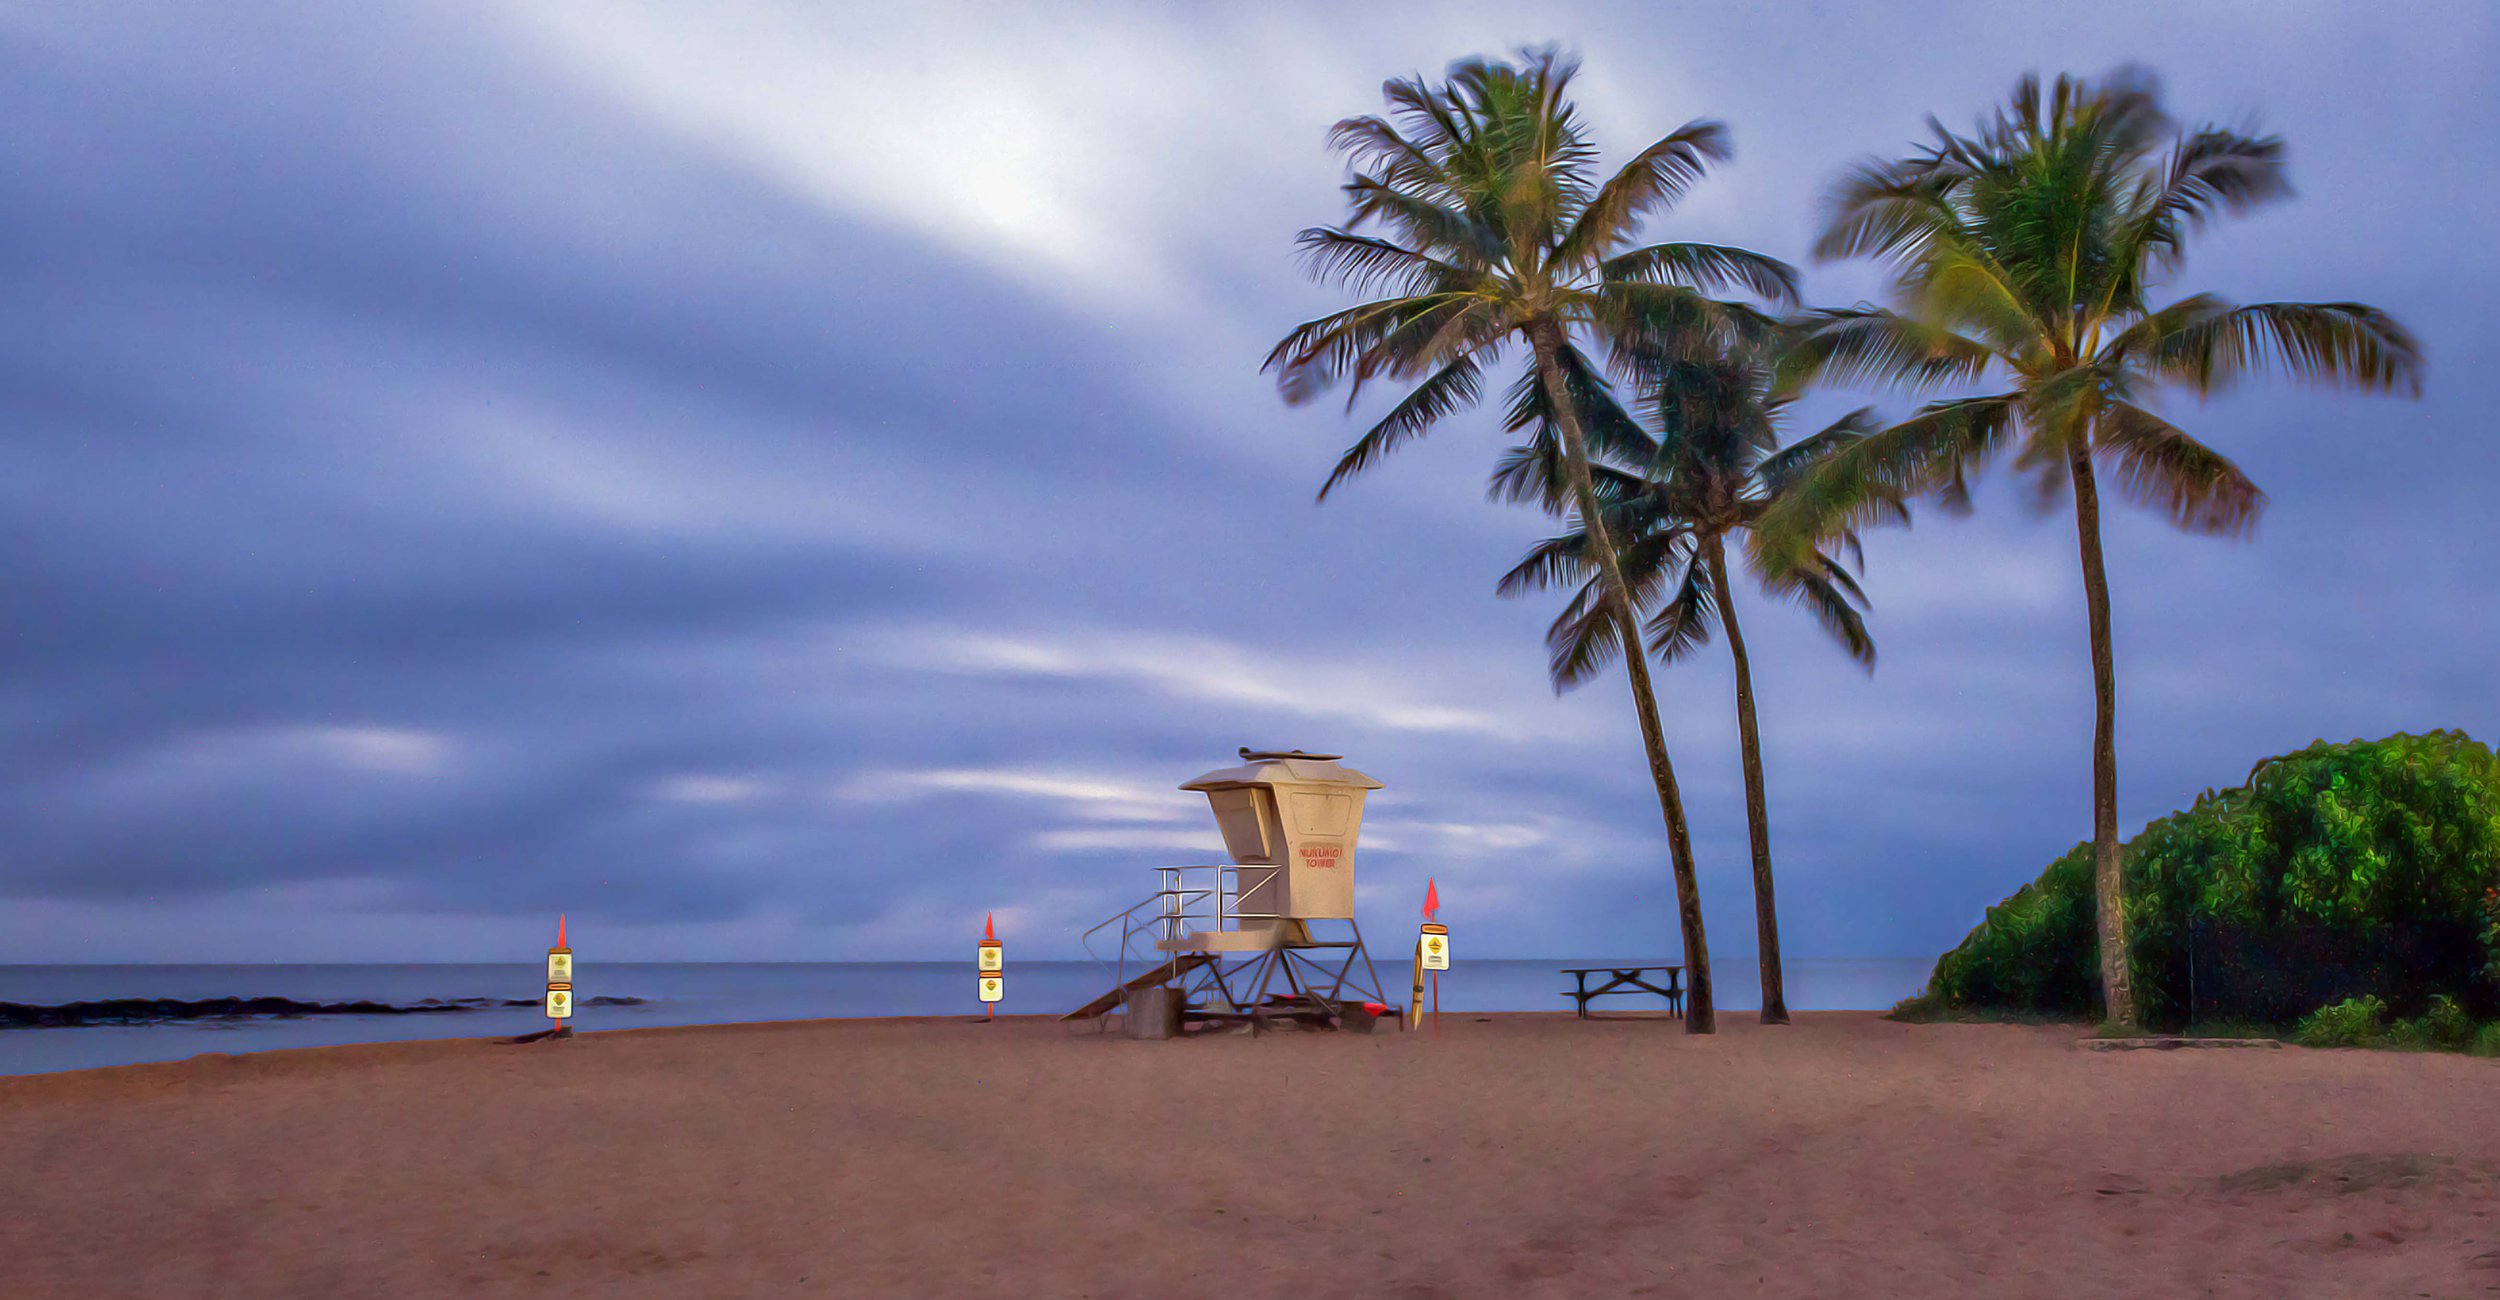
(380, 1052)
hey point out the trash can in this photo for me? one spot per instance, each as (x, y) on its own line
(1299, 813)
(1152, 1012)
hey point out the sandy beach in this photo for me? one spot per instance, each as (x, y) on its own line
(1521, 1155)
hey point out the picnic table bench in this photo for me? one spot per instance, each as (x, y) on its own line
(1623, 975)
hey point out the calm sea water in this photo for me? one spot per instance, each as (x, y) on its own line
(701, 994)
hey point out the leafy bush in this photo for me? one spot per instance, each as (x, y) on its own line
(2412, 1035)
(2486, 1041)
(2338, 871)
(2352, 1022)
(2448, 1023)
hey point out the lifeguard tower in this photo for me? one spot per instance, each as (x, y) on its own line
(1217, 940)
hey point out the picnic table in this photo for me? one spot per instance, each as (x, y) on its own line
(1621, 976)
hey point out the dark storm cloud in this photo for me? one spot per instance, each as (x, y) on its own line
(775, 482)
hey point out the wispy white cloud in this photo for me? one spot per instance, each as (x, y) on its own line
(1207, 843)
(1210, 669)
(1468, 838)
(394, 751)
(1079, 797)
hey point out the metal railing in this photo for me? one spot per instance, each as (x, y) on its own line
(1169, 912)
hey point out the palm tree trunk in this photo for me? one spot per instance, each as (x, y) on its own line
(2117, 991)
(1700, 1016)
(1766, 918)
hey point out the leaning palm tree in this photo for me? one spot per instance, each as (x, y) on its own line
(1670, 503)
(1496, 232)
(2032, 251)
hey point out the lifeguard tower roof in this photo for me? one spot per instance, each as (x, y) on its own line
(1271, 766)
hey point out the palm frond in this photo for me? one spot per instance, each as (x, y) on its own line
(1645, 324)
(1864, 484)
(2344, 343)
(1713, 267)
(1554, 562)
(1454, 387)
(1365, 262)
(1682, 625)
(1581, 642)
(2138, 345)
(2158, 466)
(2212, 170)
(1783, 469)
(1966, 289)
(1892, 211)
(1852, 345)
(1314, 355)
(1424, 224)
(1825, 590)
(1654, 179)
(1371, 145)
(1611, 432)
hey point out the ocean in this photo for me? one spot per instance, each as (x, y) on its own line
(722, 993)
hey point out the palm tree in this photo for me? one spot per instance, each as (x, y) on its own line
(1670, 503)
(1496, 232)
(2032, 250)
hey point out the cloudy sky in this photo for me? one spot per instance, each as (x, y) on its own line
(780, 482)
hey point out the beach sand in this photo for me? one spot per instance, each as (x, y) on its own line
(1520, 1155)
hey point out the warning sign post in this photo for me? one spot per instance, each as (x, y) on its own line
(1432, 951)
(560, 978)
(559, 1003)
(993, 967)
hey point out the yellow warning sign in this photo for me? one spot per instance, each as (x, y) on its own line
(1435, 943)
(559, 968)
(993, 987)
(560, 1004)
(993, 957)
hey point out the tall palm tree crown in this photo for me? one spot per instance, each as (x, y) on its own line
(1494, 231)
(2031, 252)
(1711, 472)
(1495, 234)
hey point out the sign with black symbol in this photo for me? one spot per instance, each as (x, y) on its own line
(560, 1004)
(993, 987)
(1436, 947)
(993, 957)
(559, 967)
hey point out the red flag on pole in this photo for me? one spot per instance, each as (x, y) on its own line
(559, 929)
(1432, 899)
(988, 929)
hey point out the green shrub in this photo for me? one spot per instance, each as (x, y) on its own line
(2448, 1022)
(2411, 1035)
(2486, 1041)
(2353, 1022)
(2363, 869)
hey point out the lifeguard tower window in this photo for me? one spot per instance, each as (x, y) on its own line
(1322, 814)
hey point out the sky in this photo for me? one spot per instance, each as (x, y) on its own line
(785, 482)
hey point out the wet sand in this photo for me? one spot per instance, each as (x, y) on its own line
(1520, 1155)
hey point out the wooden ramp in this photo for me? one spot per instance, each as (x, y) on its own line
(1159, 973)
